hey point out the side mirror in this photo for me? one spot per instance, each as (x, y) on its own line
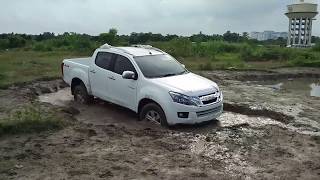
(184, 66)
(128, 75)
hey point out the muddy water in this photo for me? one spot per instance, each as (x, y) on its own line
(60, 98)
(303, 86)
(102, 113)
(99, 113)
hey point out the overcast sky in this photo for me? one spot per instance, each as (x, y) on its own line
(183, 17)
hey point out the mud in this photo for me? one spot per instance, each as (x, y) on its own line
(307, 86)
(264, 134)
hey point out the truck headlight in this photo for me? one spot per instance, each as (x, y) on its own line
(184, 99)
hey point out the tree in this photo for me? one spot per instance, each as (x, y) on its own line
(15, 41)
(231, 37)
(45, 36)
(245, 35)
(199, 37)
(111, 37)
(113, 31)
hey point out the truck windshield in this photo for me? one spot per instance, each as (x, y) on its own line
(159, 66)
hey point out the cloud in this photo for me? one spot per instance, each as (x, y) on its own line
(159, 16)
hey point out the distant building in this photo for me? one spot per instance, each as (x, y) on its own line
(266, 35)
(301, 14)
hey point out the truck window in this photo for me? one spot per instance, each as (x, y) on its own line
(104, 60)
(123, 64)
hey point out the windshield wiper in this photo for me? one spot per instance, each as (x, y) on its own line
(183, 72)
(168, 75)
(174, 74)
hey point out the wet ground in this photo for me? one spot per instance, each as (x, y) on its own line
(267, 132)
(303, 86)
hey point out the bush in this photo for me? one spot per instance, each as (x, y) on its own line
(41, 46)
(4, 44)
(306, 59)
(223, 47)
(16, 41)
(270, 54)
(178, 47)
(28, 120)
(305, 63)
(199, 50)
(316, 47)
(246, 53)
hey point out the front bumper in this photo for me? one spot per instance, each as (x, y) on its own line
(197, 114)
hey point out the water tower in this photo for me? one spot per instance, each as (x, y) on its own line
(301, 15)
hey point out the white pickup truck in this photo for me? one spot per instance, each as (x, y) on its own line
(146, 80)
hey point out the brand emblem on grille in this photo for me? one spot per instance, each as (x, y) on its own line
(209, 97)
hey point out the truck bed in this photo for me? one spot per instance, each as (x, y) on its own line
(77, 67)
(80, 61)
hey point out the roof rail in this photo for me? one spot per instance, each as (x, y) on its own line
(122, 50)
(142, 46)
(147, 47)
(105, 46)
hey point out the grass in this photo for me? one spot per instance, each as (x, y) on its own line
(223, 55)
(30, 119)
(18, 66)
(229, 61)
(23, 66)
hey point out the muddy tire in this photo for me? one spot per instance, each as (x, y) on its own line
(81, 95)
(153, 112)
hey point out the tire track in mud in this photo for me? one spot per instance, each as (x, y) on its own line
(249, 111)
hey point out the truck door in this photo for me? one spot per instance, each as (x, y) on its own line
(124, 91)
(99, 72)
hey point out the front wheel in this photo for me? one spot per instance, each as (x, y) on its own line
(153, 112)
(81, 95)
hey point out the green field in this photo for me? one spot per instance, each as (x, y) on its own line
(24, 65)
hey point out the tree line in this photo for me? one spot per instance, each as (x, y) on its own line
(48, 41)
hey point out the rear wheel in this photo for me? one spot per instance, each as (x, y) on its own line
(153, 112)
(81, 95)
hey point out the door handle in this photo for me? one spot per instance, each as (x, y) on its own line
(112, 78)
(93, 71)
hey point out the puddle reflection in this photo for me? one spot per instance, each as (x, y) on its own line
(315, 90)
(310, 87)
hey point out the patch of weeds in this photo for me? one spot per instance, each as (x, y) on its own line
(305, 62)
(29, 119)
(2, 76)
(205, 67)
(6, 167)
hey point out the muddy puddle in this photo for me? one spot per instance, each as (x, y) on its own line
(302, 86)
(101, 113)
(60, 98)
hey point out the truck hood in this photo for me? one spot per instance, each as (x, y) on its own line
(189, 84)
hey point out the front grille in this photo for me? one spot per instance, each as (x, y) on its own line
(209, 98)
(209, 112)
(210, 101)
